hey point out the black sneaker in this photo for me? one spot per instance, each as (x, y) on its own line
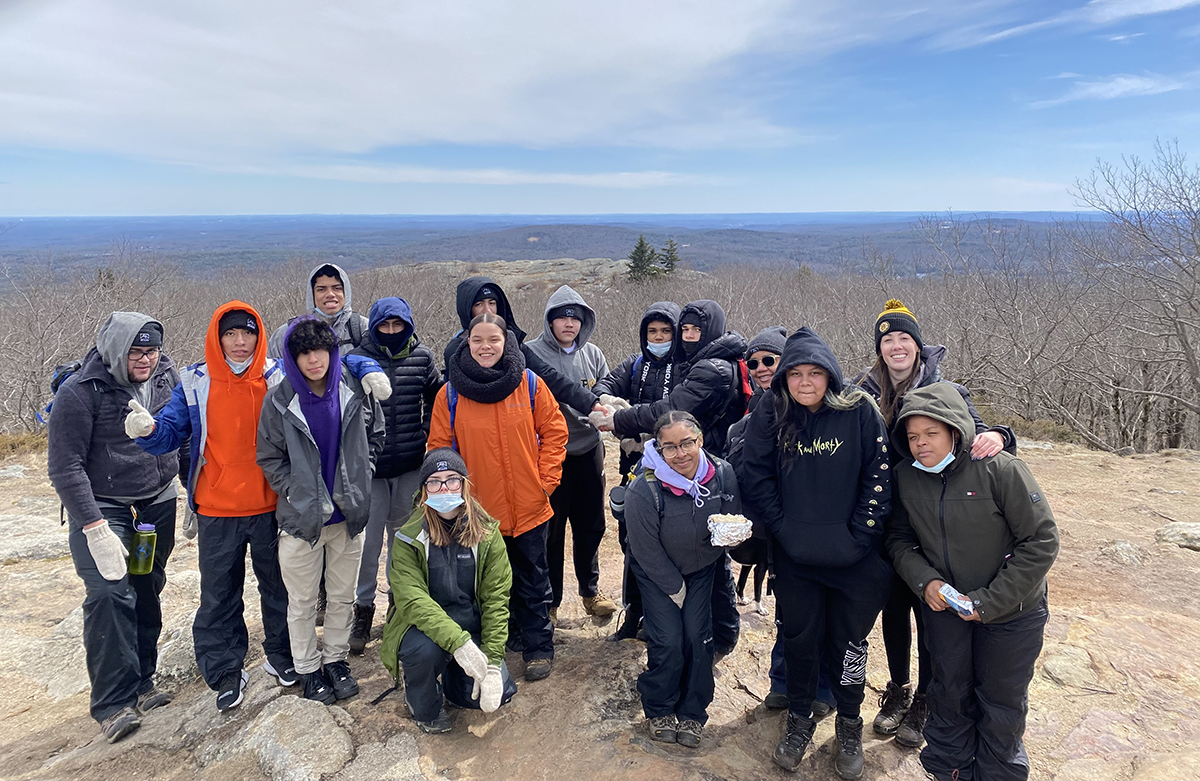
(776, 700)
(893, 704)
(229, 693)
(848, 762)
(281, 670)
(791, 749)
(155, 698)
(443, 723)
(316, 687)
(360, 630)
(120, 724)
(688, 733)
(343, 682)
(912, 729)
(663, 729)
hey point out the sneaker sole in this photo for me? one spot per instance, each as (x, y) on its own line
(331, 699)
(345, 695)
(241, 695)
(665, 737)
(124, 731)
(537, 675)
(279, 677)
(909, 743)
(785, 762)
(687, 739)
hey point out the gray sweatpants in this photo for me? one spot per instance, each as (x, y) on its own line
(391, 505)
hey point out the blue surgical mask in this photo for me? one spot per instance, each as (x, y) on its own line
(938, 467)
(444, 503)
(659, 349)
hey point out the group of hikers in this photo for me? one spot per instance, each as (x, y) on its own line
(339, 433)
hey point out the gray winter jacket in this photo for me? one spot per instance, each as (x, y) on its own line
(89, 454)
(585, 365)
(291, 462)
(668, 534)
(350, 326)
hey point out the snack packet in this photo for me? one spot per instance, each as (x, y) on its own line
(729, 530)
(960, 602)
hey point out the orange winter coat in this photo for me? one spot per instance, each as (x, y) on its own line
(512, 475)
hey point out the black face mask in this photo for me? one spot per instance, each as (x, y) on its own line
(393, 342)
(690, 348)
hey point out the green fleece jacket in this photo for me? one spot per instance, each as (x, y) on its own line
(984, 527)
(409, 578)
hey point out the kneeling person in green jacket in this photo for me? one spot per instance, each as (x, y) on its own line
(985, 528)
(450, 579)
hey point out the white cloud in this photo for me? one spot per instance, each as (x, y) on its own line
(1096, 13)
(1113, 87)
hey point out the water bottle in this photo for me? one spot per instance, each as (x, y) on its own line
(141, 557)
(616, 502)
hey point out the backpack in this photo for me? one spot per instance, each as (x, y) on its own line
(452, 402)
(616, 496)
(57, 377)
(741, 382)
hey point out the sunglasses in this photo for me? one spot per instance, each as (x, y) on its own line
(768, 361)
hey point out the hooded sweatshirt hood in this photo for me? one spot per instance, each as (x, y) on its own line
(664, 312)
(469, 288)
(345, 311)
(114, 340)
(214, 356)
(940, 401)
(803, 347)
(385, 309)
(566, 296)
(712, 324)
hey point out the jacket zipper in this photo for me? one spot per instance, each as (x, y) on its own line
(945, 539)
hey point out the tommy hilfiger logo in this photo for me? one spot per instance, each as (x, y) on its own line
(971, 493)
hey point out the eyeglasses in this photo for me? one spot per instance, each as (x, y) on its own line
(433, 485)
(149, 354)
(768, 361)
(686, 446)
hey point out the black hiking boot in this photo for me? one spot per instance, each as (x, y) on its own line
(441, 723)
(912, 729)
(628, 629)
(791, 749)
(360, 630)
(848, 762)
(893, 704)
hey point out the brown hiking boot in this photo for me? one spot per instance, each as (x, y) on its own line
(599, 605)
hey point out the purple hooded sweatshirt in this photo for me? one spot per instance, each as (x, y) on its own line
(323, 413)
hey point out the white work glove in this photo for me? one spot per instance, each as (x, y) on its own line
(139, 422)
(376, 384)
(112, 560)
(603, 421)
(473, 662)
(191, 524)
(613, 402)
(492, 690)
(678, 596)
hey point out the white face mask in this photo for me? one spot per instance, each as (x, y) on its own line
(444, 503)
(238, 368)
(938, 467)
(658, 349)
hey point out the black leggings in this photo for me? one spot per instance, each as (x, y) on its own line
(897, 636)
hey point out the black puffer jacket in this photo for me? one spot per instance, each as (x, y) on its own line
(415, 381)
(710, 386)
(642, 378)
(570, 393)
(931, 359)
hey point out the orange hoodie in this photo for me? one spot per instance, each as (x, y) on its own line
(230, 484)
(511, 474)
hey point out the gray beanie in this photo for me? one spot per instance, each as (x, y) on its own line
(770, 339)
(441, 460)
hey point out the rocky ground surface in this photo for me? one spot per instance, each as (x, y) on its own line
(1117, 693)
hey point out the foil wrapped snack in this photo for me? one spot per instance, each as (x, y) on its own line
(729, 530)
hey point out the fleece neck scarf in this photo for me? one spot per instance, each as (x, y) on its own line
(651, 459)
(487, 385)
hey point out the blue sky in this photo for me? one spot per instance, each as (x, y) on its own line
(292, 106)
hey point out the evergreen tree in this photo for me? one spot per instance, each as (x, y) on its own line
(669, 258)
(643, 261)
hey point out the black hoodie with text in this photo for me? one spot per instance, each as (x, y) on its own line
(825, 505)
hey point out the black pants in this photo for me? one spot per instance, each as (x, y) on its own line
(726, 620)
(579, 498)
(529, 601)
(122, 619)
(828, 610)
(631, 595)
(430, 671)
(979, 695)
(679, 648)
(219, 630)
(897, 636)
